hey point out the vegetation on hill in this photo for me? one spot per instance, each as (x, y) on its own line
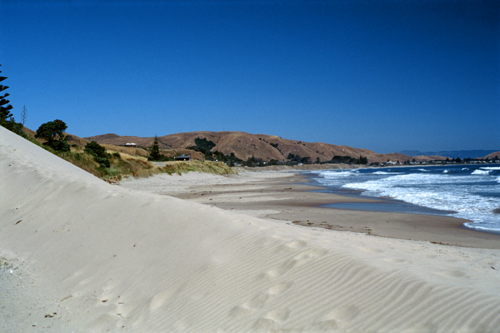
(156, 155)
(239, 148)
(53, 134)
(107, 157)
(112, 166)
(99, 153)
(203, 146)
(155, 151)
(6, 117)
(94, 158)
(218, 168)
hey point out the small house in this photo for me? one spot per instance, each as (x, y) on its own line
(183, 157)
(131, 145)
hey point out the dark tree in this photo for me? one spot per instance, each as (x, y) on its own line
(363, 160)
(305, 160)
(155, 151)
(220, 157)
(52, 131)
(5, 107)
(99, 153)
(6, 118)
(254, 162)
(232, 159)
(203, 146)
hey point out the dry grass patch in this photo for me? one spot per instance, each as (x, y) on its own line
(217, 168)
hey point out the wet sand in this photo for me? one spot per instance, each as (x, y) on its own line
(281, 196)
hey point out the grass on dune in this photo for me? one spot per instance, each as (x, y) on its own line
(126, 165)
(217, 168)
(121, 166)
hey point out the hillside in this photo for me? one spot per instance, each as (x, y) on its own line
(476, 153)
(494, 155)
(245, 145)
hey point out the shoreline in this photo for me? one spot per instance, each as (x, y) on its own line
(283, 196)
(471, 237)
(414, 209)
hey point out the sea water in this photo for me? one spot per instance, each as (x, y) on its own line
(470, 192)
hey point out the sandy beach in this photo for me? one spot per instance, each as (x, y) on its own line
(201, 253)
(280, 196)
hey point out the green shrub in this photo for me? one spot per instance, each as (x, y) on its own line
(99, 154)
(53, 133)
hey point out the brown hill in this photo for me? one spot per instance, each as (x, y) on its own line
(72, 139)
(424, 158)
(245, 145)
(492, 155)
(80, 143)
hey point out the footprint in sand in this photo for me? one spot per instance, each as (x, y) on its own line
(240, 311)
(308, 255)
(342, 314)
(296, 244)
(325, 326)
(247, 308)
(257, 302)
(277, 272)
(290, 263)
(265, 325)
(161, 298)
(279, 288)
(278, 314)
(260, 300)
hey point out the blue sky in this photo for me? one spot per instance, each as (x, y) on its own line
(383, 75)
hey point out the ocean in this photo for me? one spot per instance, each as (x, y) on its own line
(470, 192)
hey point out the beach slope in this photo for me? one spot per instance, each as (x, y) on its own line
(79, 254)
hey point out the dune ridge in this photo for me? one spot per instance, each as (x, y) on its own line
(97, 256)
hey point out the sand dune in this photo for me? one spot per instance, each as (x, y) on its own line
(82, 255)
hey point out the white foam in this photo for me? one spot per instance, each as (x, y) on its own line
(490, 168)
(483, 226)
(480, 172)
(384, 173)
(450, 189)
(438, 191)
(337, 174)
(336, 178)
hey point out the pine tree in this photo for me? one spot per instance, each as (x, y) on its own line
(6, 118)
(155, 151)
(5, 108)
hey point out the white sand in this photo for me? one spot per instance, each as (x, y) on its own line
(100, 257)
